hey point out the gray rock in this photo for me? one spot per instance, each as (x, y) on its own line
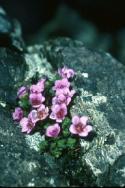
(12, 71)
(74, 27)
(10, 32)
(21, 164)
(37, 63)
(100, 83)
(120, 41)
(12, 62)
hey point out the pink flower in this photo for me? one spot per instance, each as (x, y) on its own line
(68, 93)
(53, 131)
(80, 126)
(59, 99)
(41, 83)
(33, 116)
(27, 124)
(58, 112)
(63, 96)
(66, 73)
(38, 88)
(35, 89)
(17, 114)
(40, 114)
(36, 99)
(22, 91)
(61, 84)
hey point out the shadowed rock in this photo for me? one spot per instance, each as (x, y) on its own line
(10, 32)
(100, 83)
(12, 71)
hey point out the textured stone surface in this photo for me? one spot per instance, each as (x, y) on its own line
(78, 29)
(12, 62)
(12, 71)
(37, 63)
(100, 82)
(21, 165)
(10, 32)
(101, 95)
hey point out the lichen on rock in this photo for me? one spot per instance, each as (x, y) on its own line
(100, 83)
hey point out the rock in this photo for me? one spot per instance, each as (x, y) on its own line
(120, 41)
(37, 63)
(12, 62)
(21, 162)
(78, 29)
(12, 71)
(22, 165)
(10, 32)
(102, 97)
(100, 83)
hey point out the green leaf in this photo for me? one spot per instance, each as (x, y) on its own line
(45, 126)
(71, 142)
(66, 123)
(24, 102)
(61, 143)
(53, 146)
(25, 113)
(66, 132)
(65, 126)
(43, 145)
(56, 153)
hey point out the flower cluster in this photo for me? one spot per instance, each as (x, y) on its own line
(61, 100)
(38, 110)
(34, 109)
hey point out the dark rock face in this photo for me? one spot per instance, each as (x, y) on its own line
(10, 32)
(100, 83)
(12, 62)
(78, 29)
(12, 71)
(22, 165)
(21, 162)
(102, 97)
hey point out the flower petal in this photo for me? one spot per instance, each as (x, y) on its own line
(33, 115)
(66, 73)
(59, 120)
(41, 108)
(68, 100)
(29, 131)
(36, 99)
(24, 123)
(52, 116)
(86, 131)
(41, 83)
(75, 120)
(17, 114)
(83, 134)
(56, 108)
(89, 128)
(72, 92)
(84, 120)
(24, 129)
(72, 129)
(22, 91)
(42, 112)
(53, 130)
